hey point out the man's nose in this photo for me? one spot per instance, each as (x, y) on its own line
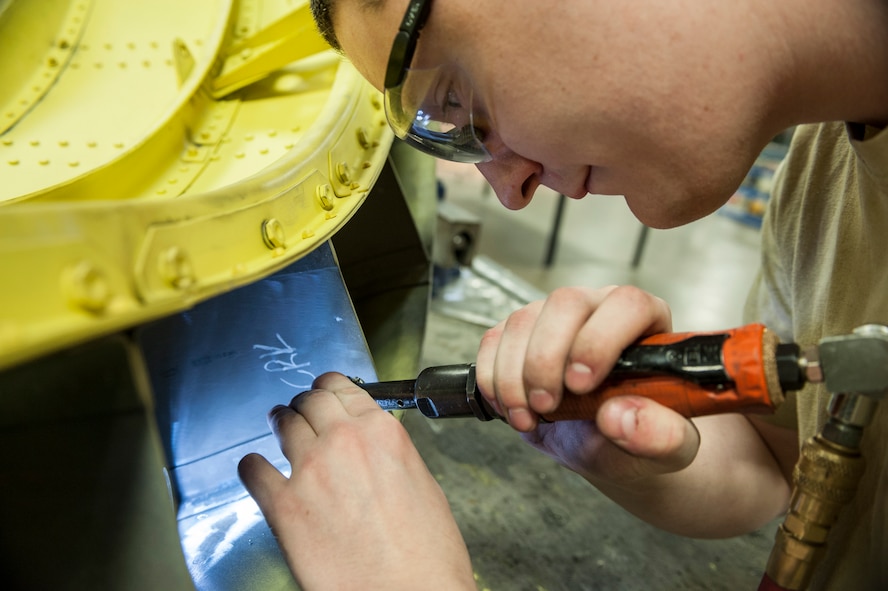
(513, 177)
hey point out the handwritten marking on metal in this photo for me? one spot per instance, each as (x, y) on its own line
(285, 361)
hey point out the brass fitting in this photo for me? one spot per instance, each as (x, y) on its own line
(825, 480)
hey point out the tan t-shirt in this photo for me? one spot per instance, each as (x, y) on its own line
(825, 272)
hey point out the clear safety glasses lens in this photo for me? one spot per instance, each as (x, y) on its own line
(432, 111)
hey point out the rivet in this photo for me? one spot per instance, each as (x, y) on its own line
(246, 53)
(91, 144)
(288, 146)
(323, 193)
(153, 45)
(366, 164)
(108, 46)
(146, 63)
(263, 151)
(205, 135)
(7, 142)
(306, 234)
(52, 62)
(74, 163)
(363, 138)
(272, 133)
(175, 267)
(63, 143)
(172, 181)
(118, 145)
(343, 173)
(10, 115)
(43, 162)
(87, 286)
(161, 191)
(63, 44)
(13, 162)
(273, 234)
(131, 45)
(375, 102)
(122, 65)
(98, 65)
(34, 143)
(239, 155)
(183, 169)
(249, 137)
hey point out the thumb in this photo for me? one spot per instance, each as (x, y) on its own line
(648, 430)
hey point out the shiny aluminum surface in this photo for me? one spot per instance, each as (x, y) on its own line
(216, 370)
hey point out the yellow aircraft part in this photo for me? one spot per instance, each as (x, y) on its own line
(155, 153)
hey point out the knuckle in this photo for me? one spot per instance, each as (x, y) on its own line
(632, 294)
(491, 336)
(523, 317)
(567, 296)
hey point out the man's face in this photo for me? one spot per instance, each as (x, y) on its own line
(587, 97)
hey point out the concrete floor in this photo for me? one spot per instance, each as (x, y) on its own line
(529, 524)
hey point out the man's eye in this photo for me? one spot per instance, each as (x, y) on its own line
(452, 100)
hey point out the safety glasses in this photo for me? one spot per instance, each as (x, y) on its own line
(430, 109)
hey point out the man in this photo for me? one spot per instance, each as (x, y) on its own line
(667, 104)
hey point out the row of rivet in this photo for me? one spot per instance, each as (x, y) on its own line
(88, 288)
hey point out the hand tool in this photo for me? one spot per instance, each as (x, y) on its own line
(743, 369)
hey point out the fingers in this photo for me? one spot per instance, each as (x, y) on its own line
(500, 370)
(663, 439)
(291, 429)
(633, 439)
(260, 478)
(571, 340)
(334, 398)
(621, 318)
(564, 329)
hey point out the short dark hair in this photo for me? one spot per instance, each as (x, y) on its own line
(322, 11)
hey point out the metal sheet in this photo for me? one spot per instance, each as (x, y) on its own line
(216, 370)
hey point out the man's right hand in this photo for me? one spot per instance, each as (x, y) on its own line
(654, 462)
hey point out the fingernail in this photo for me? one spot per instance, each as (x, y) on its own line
(580, 368)
(629, 422)
(541, 401)
(519, 418)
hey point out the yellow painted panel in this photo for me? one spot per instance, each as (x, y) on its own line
(128, 192)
